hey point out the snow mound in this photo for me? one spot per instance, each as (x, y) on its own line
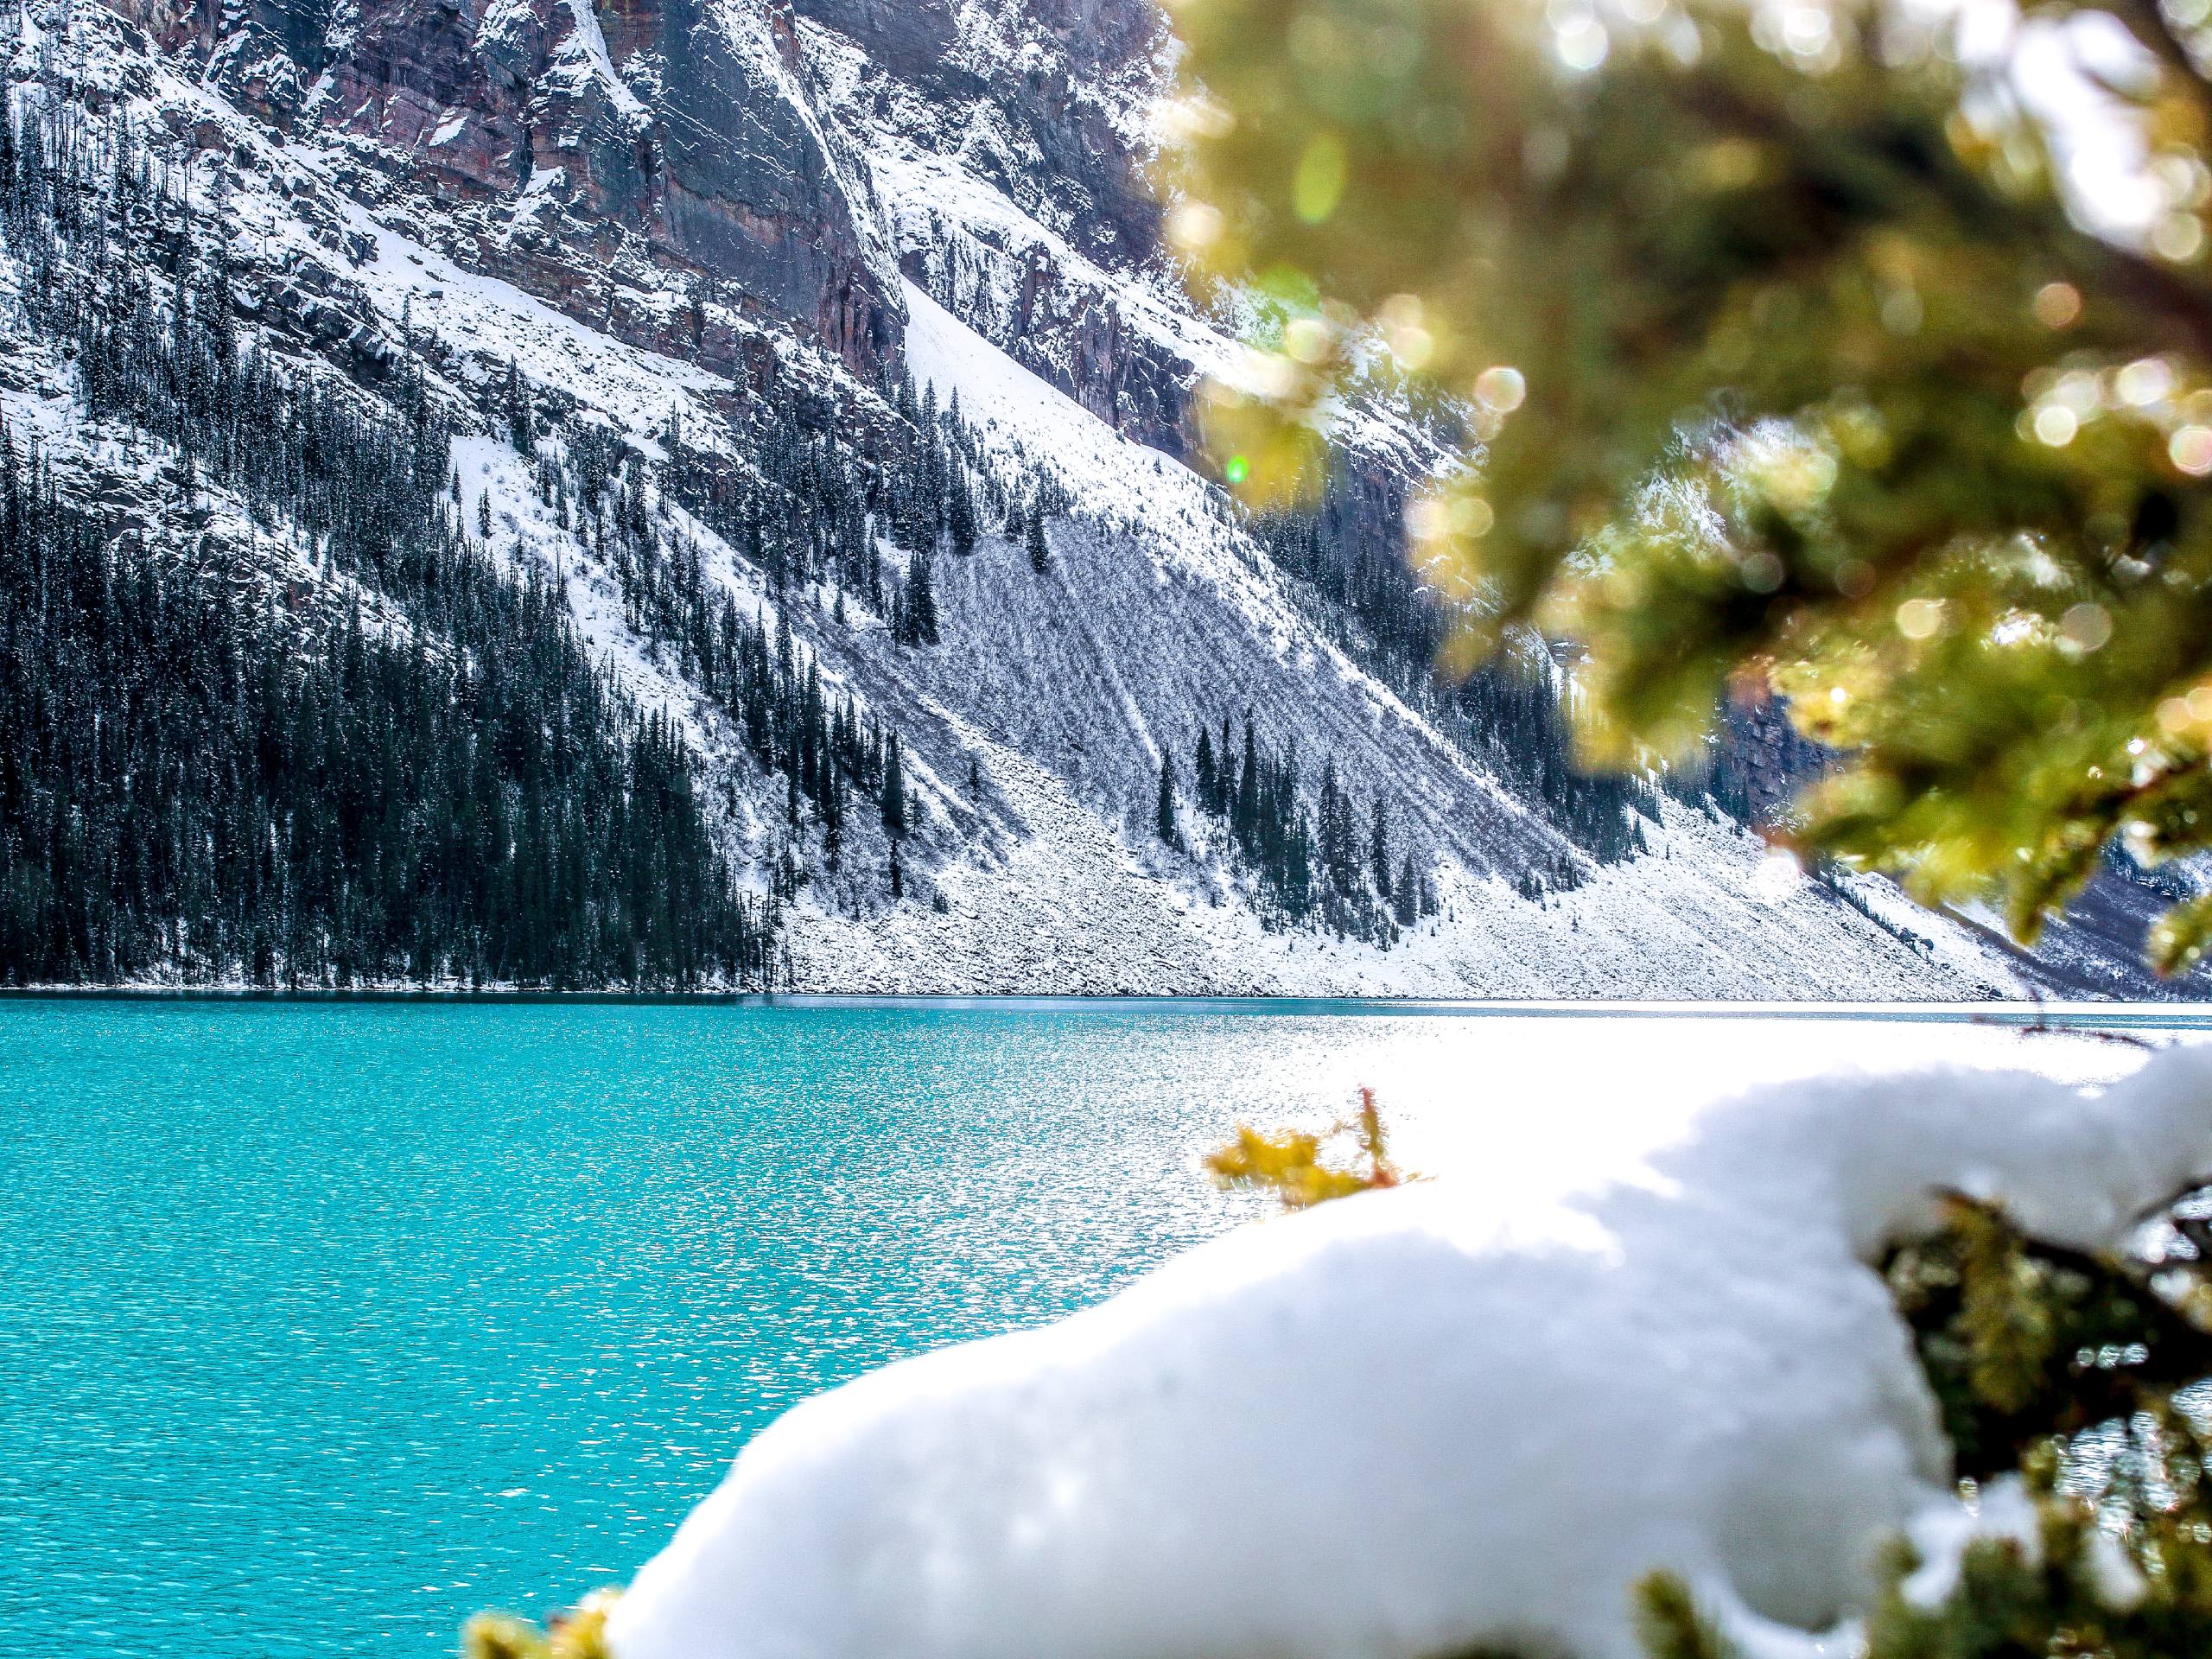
(1407, 1423)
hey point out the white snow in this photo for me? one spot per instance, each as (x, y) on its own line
(495, 320)
(1940, 1533)
(1471, 1410)
(593, 43)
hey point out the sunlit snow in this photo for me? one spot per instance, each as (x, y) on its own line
(1631, 1331)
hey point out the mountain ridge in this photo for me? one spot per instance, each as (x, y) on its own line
(700, 287)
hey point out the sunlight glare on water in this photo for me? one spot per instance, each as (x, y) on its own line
(326, 1324)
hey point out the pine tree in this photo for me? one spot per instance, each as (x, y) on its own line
(522, 428)
(1245, 818)
(1164, 815)
(921, 601)
(893, 797)
(959, 513)
(1040, 554)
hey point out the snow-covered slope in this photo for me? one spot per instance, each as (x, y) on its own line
(745, 228)
(1159, 616)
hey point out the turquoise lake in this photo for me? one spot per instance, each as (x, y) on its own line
(324, 1324)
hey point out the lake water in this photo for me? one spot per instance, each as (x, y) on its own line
(324, 1325)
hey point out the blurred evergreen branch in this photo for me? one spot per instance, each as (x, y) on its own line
(1788, 358)
(2060, 1370)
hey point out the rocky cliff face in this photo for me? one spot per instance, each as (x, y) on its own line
(1044, 98)
(682, 173)
(655, 169)
(1009, 143)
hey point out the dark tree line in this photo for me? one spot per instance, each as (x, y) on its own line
(194, 780)
(829, 754)
(1335, 867)
(207, 771)
(1508, 715)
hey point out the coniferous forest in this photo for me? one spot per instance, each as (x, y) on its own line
(1382, 612)
(405, 765)
(435, 783)
(1337, 867)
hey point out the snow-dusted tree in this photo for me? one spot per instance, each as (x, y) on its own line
(960, 511)
(914, 612)
(893, 799)
(921, 599)
(522, 426)
(1244, 809)
(2064, 1378)
(2064, 1375)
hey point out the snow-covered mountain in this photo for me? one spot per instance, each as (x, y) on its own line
(727, 301)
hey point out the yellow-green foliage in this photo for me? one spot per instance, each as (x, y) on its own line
(579, 1634)
(2030, 1348)
(1290, 1166)
(2022, 1341)
(1787, 365)
(1668, 1624)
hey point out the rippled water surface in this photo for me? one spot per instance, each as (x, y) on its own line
(322, 1326)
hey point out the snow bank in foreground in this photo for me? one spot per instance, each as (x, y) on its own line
(1409, 1422)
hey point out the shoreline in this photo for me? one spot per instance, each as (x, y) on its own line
(2019, 1014)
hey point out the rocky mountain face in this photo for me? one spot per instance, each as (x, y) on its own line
(821, 355)
(1040, 107)
(588, 155)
